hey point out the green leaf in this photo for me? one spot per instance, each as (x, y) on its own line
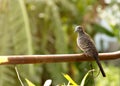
(85, 77)
(99, 28)
(70, 79)
(27, 26)
(29, 83)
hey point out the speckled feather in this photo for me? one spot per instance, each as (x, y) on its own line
(86, 44)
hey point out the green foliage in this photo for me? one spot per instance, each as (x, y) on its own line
(70, 80)
(112, 78)
(46, 27)
(103, 30)
(8, 76)
(116, 31)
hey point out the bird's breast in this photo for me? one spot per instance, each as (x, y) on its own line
(86, 45)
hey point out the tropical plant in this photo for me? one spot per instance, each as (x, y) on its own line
(46, 27)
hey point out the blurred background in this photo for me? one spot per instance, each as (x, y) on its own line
(47, 27)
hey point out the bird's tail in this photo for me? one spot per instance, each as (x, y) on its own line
(100, 66)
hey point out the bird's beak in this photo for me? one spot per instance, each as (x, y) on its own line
(75, 29)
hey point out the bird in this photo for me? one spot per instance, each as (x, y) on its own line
(86, 44)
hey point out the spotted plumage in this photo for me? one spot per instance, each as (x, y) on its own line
(86, 44)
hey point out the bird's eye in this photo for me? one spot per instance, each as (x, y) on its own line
(80, 28)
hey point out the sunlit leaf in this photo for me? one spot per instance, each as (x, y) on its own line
(29, 82)
(70, 79)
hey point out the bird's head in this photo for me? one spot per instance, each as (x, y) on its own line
(78, 29)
